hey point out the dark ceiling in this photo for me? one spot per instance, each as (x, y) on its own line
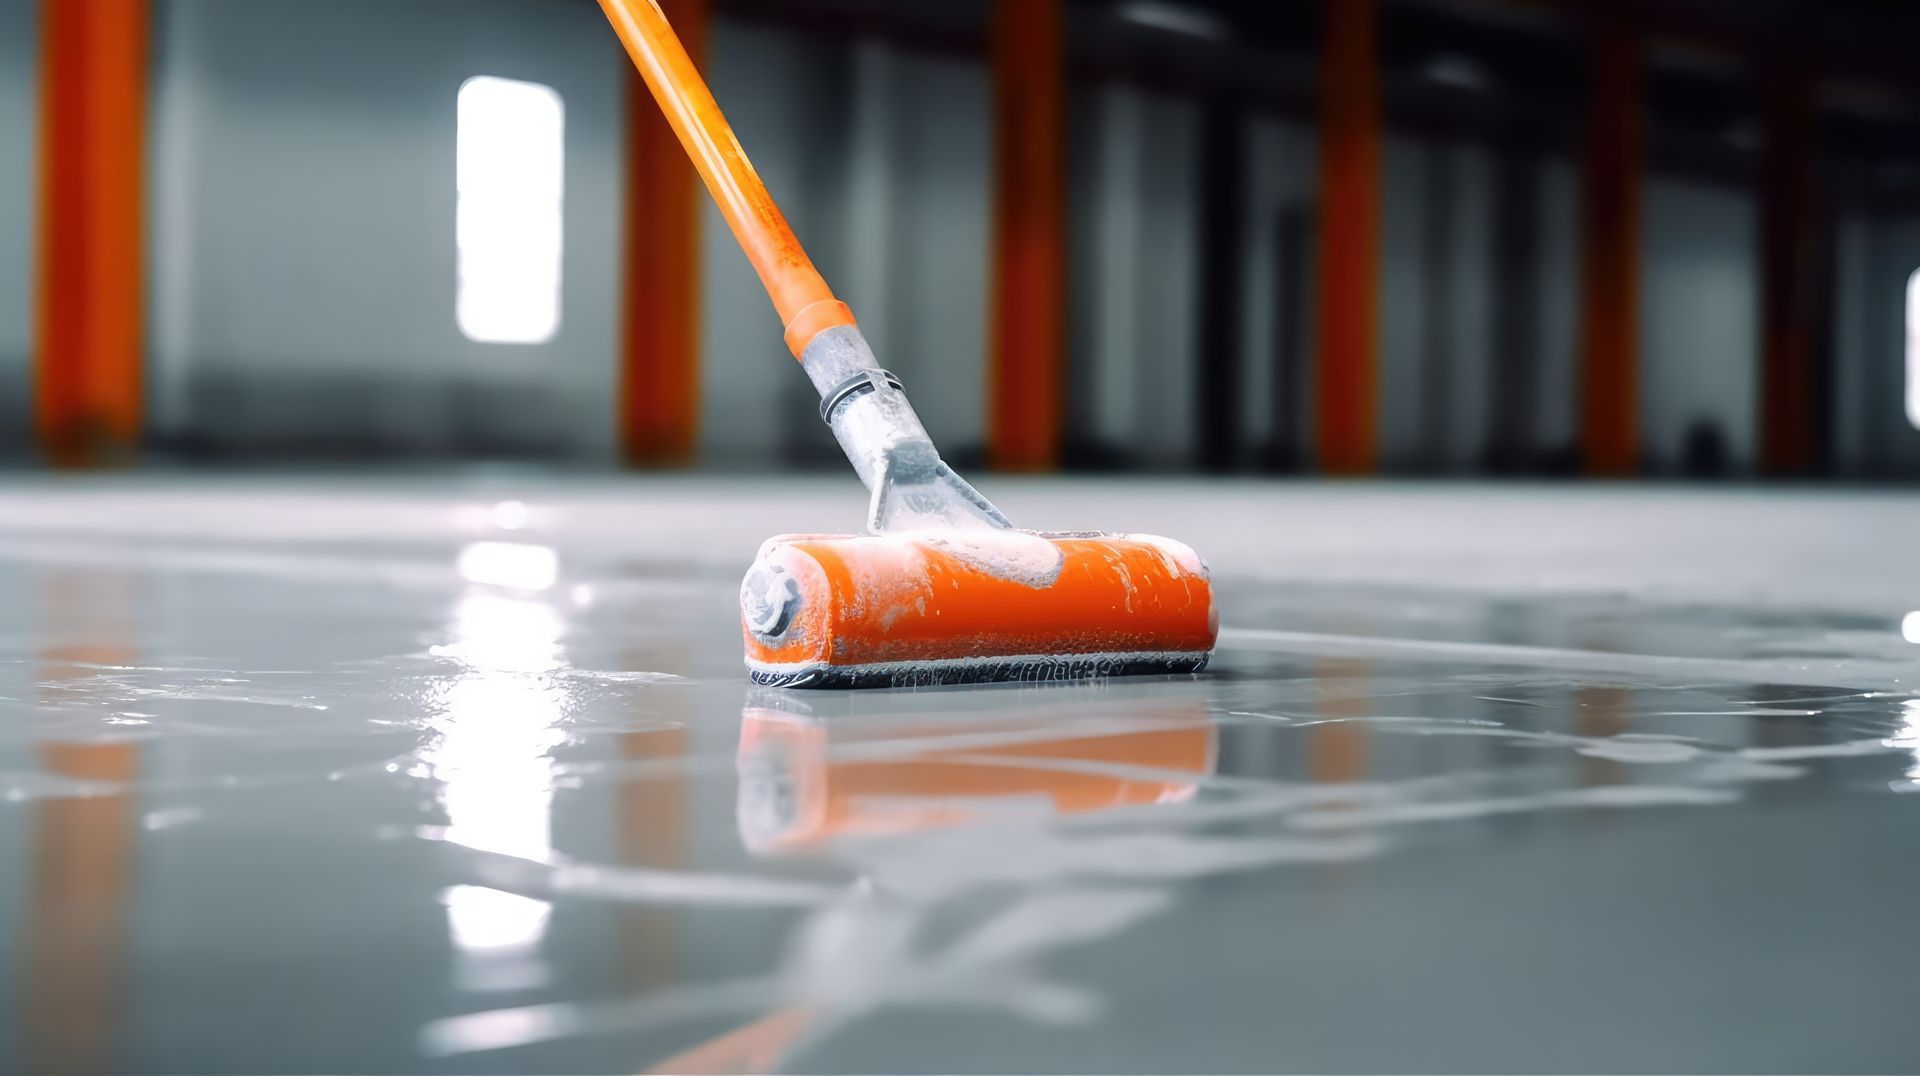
(1507, 71)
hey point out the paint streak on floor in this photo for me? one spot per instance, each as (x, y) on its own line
(462, 774)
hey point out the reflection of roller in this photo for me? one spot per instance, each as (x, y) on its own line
(803, 779)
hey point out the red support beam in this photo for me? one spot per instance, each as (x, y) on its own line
(1610, 255)
(1025, 379)
(659, 396)
(1789, 279)
(91, 271)
(1350, 137)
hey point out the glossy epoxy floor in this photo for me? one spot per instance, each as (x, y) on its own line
(461, 775)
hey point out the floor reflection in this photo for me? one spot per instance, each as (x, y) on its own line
(808, 786)
(1908, 738)
(1338, 749)
(74, 949)
(1397, 806)
(496, 724)
(651, 821)
(1600, 712)
(802, 781)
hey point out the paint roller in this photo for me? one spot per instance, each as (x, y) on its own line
(941, 588)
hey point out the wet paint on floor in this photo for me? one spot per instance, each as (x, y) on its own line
(465, 775)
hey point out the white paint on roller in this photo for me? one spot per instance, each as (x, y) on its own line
(1030, 558)
(1016, 556)
(1180, 554)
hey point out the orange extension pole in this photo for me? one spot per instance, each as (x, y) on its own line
(802, 299)
(660, 345)
(1029, 280)
(1610, 257)
(1349, 236)
(87, 389)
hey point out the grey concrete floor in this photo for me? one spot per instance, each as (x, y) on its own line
(462, 774)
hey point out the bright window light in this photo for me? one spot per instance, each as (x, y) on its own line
(1913, 349)
(511, 171)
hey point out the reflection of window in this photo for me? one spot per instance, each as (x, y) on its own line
(510, 170)
(1913, 349)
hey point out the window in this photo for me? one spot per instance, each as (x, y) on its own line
(510, 172)
(1913, 349)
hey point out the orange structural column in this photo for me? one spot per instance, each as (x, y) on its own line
(1349, 258)
(89, 331)
(660, 341)
(1609, 372)
(1789, 279)
(1025, 368)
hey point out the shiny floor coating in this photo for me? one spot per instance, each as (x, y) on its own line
(462, 774)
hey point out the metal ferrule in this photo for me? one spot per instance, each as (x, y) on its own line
(883, 438)
(868, 425)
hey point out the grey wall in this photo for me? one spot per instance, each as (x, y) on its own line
(1444, 399)
(1699, 321)
(1555, 428)
(1443, 303)
(879, 158)
(1404, 303)
(303, 220)
(1133, 190)
(304, 212)
(1282, 161)
(752, 400)
(303, 276)
(1853, 374)
(1878, 252)
(1448, 315)
(1436, 311)
(918, 227)
(18, 135)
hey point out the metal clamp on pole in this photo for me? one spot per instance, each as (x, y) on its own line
(858, 385)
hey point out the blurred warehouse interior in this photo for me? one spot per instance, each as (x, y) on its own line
(1359, 236)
